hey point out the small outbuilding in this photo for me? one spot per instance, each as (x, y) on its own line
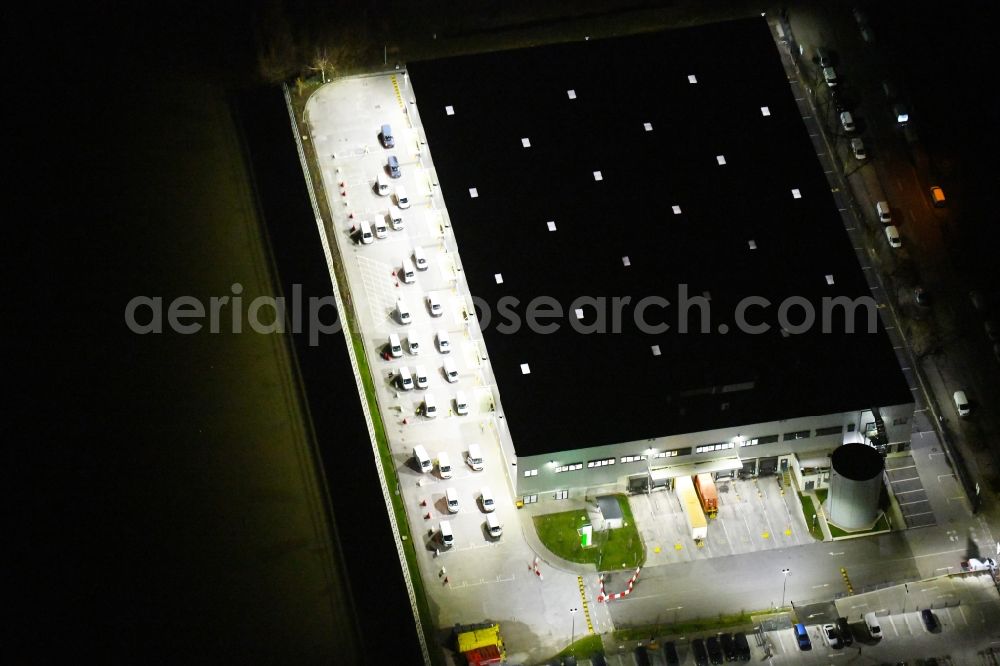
(611, 511)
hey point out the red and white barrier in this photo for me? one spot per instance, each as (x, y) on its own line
(603, 596)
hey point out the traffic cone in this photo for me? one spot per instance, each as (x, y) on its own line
(427, 516)
(423, 502)
(405, 421)
(445, 580)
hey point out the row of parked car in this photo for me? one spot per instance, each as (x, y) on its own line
(444, 535)
(716, 649)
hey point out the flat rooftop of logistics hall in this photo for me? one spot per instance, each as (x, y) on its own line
(596, 170)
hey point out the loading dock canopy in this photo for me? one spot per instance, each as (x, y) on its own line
(723, 465)
(815, 460)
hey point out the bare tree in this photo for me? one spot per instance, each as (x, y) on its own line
(321, 63)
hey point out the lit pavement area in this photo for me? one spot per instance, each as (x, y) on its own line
(753, 515)
(477, 578)
(495, 580)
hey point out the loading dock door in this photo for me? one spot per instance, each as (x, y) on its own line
(638, 483)
(766, 466)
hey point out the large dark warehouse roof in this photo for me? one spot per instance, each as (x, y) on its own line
(738, 230)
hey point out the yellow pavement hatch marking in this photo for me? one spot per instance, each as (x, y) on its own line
(656, 549)
(766, 535)
(847, 581)
(395, 86)
(788, 532)
(586, 608)
(677, 546)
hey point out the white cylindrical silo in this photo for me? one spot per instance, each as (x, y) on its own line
(855, 486)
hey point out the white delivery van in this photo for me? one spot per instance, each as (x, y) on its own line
(366, 232)
(396, 218)
(450, 370)
(382, 185)
(447, 537)
(487, 499)
(874, 628)
(892, 235)
(395, 346)
(961, 403)
(405, 380)
(493, 525)
(830, 76)
(434, 304)
(420, 377)
(414, 343)
(381, 231)
(430, 406)
(451, 497)
(402, 311)
(461, 403)
(444, 342)
(402, 200)
(475, 458)
(420, 258)
(883, 212)
(444, 465)
(408, 273)
(423, 460)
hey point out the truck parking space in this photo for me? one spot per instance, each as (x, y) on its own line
(909, 491)
(753, 515)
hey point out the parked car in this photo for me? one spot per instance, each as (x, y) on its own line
(858, 148)
(386, 136)
(892, 235)
(802, 637)
(874, 626)
(961, 403)
(742, 646)
(847, 121)
(846, 635)
(394, 170)
(930, 620)
(922, 298)
(728, 646)
(714, 650)
(900, 113)
(641, 655)
(832, 637)
(830, 76)
(937, 196)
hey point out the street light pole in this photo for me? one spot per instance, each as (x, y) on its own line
(784, 585)
(572, 632)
